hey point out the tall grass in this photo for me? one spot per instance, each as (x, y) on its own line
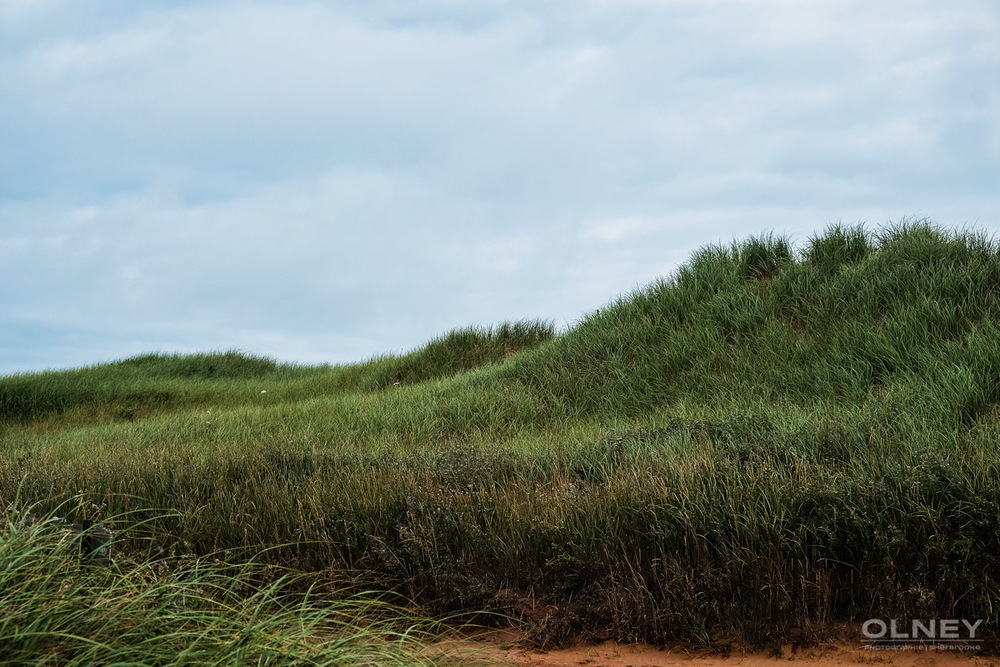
(766, 443)
(59, 608)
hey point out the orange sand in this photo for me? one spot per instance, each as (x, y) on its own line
(499, 649)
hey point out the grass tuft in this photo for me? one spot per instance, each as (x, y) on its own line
(61, 609)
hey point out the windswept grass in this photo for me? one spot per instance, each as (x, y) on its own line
(60, 609)
(766, 443)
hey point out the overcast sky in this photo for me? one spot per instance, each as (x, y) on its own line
(325, 181)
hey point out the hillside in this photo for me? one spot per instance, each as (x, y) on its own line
(769, 443)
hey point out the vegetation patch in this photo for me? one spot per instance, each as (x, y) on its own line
(768, 444)
(61, 607)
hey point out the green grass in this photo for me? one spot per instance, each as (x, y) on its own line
(59, 609)
(772, 441)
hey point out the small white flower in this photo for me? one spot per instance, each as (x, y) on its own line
(263, 391)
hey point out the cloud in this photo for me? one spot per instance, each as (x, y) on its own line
(300, 176)
(613, 231)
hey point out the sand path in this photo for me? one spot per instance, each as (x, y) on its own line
(501, 650)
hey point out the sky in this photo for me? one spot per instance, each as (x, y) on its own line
(327, 181)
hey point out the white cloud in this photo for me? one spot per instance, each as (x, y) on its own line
(13, 9)
(82, 57)
(613, 231)
(196, 172)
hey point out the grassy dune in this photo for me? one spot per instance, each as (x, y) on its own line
(768, 443)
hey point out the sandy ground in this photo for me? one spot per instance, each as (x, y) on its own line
(499, 649)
